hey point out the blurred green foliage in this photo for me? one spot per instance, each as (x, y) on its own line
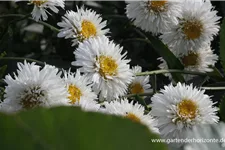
(66, 128)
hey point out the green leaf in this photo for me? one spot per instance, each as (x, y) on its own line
(216, 74)
(172, 61)
(2, 71)
(141, 101)
(3, 54)
(222, 109)
(66, 128)
(222, 44)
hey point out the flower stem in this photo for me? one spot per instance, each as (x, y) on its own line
(23, 58)
(170, 71)
(40, 22)
(213, 88)
(154, 82)
(142, 94)
(203, 88)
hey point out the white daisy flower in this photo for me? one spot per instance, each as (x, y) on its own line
(179, 108)
(88, 105)
(32, 87)
(154, 16)
(81, 25)
(140, 84)
(213, 136)
(134, 112)
(201, 60)
(196, 27)
(41, 7)
(105, 66)
(80, 92)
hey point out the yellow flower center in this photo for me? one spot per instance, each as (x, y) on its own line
(75, 94)
(136, 88)
(38, 3)
(133, 117)
(190, 60)
(192, 29)
(187, 109)
(108, 66)
(157, 6)
(88, 29)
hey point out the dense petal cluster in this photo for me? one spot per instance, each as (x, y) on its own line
(82, 25)
(154, 16)
(32, 86)
(179, 108)
(79, 91)
(105, 66)
(196, 27)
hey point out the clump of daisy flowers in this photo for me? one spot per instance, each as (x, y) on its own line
(180, 108)
(197, 25)
(154, 16)
(32, 87)
(102, 62)
(81, 25)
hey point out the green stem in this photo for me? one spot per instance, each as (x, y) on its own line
(138, 39)
(140, 33)
(205, 79)
(213, 88)
(154, 82)
(40, 22)
(47, 25)
(151, 93)
(11, 15)
(170, 71)
(22, 59)
(142, 94)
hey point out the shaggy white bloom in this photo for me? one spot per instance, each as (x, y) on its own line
(105, 66)
(209, 133)
(134, 112)
(140, 84)
(201, 60)
(179, 108)
(196, 27)
(32, 87)
(79, 91)
(154, 16)
(87, 105)
(41, 7)
(81, 25)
